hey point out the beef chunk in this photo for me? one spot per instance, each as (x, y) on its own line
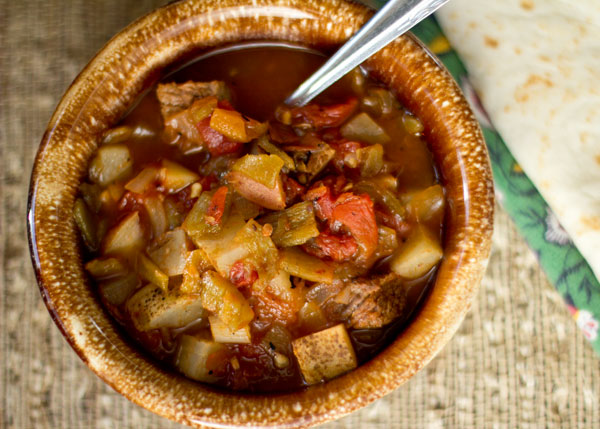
(174, 98)
(368, 303)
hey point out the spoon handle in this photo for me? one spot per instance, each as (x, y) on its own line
(393, 20)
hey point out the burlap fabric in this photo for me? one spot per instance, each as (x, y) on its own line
(517, 361)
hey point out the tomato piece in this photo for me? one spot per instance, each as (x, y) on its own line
(324, 204)
(216, 207)
(324, 116)
(185, 200)
(342, 149)
(339, 248)
(282, 133)
(356, 213)
(207, 182)
(242, 274)
(335, 183)
(216, 143)
(225, 104)
(293, 190)
(268, 308)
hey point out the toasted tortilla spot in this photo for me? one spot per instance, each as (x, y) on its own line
(592, 222)
(527, 4)
(490, 42)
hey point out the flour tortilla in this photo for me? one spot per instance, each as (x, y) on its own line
(536, 66)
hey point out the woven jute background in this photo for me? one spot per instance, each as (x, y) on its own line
(517, 361)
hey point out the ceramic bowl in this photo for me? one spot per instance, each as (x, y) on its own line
(134, 60)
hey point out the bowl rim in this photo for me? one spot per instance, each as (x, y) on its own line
(432, 348)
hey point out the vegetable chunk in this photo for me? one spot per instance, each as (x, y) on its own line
(112, 162)
(260, 168)
(151, 273)
(117, 290)
(221, 249)
(208, 214)
(293, 226)
(105, 268)
(229, 123)
(86, 223)
(418, 255)
(325, 354)
(258, 193)
(426, 204)
(152, 308)
(222, 298)
(305, 266)
(125, 238)
(175, 177)
(196, 264)
(324, 116)
(195, 356)
(223, 334)
(363, 128)
(170, 252)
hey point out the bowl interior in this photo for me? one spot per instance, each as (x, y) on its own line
(138, 57)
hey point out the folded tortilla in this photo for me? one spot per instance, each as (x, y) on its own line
(536, 67)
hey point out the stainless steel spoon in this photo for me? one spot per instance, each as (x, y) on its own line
(393, 20)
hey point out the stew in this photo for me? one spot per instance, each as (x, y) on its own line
(259, 247)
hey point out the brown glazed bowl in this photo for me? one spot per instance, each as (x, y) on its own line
(131, 62)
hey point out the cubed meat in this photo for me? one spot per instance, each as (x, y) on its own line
(174, 98)
(368, 302)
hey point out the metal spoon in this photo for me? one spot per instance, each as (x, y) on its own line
(393, 20)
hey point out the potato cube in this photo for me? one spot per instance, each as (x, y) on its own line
(175, 177)
(363, 128)
(156, 214)
(194, 357)
(152, 308)
(125, 238)
(427, 203)
(116, 290)
(223, 334)
(170, 252)
(112, 162)
(143, 181)
(221, 249)
(325, 354)
(418, 255)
